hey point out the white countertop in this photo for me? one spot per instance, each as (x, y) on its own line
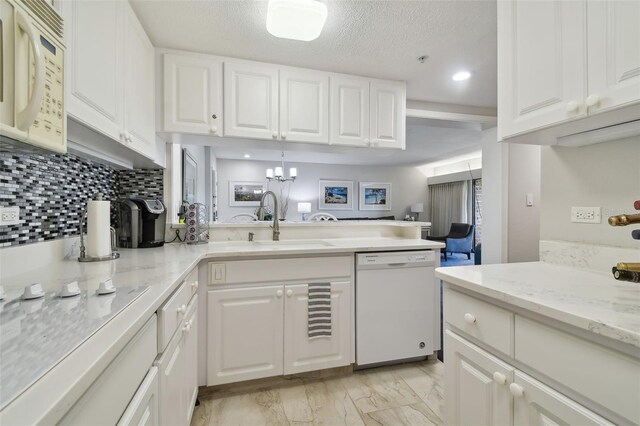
(162, 269)
(288, 223)
(593, 301)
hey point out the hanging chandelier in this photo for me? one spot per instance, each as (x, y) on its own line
(278, 173)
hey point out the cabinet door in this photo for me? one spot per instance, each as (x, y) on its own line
(613, 40)
(139, 86)
(304, 106)
(171, 366)
(388, 114)
(143, 408)
(192, 95)
(94, 64)
(541, 68)
(191, 359)
(250, 100)
(304, 354)
(540, 405)
(349, 111)
(472, 395)
(244, 334)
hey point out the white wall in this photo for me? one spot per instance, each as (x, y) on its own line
(524, 221)
(409, 185)
(605, 175)
(494, 198)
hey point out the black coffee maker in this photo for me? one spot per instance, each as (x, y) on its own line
(141, 223)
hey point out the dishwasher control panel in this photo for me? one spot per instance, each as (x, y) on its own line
(396, 258)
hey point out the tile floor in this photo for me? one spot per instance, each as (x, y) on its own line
(407, 394)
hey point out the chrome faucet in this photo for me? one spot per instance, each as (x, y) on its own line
(276, 224)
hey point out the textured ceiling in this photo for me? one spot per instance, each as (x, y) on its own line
(371, 38)
(427, 141)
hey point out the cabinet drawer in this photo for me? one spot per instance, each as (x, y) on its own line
(488, 323)
(589, 369)
(171, 314)
(143, 409)
(107, 399)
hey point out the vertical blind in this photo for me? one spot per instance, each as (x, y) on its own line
(448, 203)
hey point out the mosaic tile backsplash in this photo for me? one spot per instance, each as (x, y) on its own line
(53, 189)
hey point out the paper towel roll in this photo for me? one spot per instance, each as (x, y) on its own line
(98, 228)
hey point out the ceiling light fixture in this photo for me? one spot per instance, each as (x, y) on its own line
(278, 174)
(461, 76)
(247, 156)
(296, 19)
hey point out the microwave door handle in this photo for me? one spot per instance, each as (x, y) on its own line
(26, 117)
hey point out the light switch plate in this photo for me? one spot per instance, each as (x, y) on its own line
(9, 215)
(586, 215)
(217, 273)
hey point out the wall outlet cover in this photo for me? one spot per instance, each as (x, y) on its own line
(9, 215)
(586, 215)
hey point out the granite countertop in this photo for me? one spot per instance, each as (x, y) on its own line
(162, 270)
(590, 300)
(289, 223)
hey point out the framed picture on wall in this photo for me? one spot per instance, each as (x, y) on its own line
(245, 194)
(335, 195)
(375, 196)
(189, 177)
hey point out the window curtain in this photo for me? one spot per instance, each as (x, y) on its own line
(448, 203)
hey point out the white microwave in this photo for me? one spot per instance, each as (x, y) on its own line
(32, 88)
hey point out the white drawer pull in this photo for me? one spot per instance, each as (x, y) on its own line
(274, 135)
(572, 106)
(182, 309)
(214, 129)
(289, 293)
(279, 293)
(283, 135)
(499, 378)
(187, 327)
(194, 285)
(516, 390)
(470, 319)
(593, 100)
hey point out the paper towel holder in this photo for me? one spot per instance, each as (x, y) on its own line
(83, 251)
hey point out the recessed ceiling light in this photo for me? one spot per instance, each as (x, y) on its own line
(296, 19)
(247, 156)
(461, 75)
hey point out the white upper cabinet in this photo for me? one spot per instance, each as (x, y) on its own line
(139, 86)
(388, 114)
(192, 94)
(555, 80)
(613, 41)
(541, 68)
(349, 111)
(304, 106)
(94, 76)
(110, 78)
(250, 100)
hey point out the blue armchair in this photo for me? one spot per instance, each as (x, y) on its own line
(459, 239)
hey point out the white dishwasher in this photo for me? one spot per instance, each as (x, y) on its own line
(397, 307)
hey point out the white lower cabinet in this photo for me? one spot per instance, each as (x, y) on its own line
(177, 367)
(143, 408)
(304, 354)
(245, 334)
(256, 332)
(538, 405)
(476, 385)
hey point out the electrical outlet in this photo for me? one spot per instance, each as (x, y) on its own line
(585, 215)
(9, 215)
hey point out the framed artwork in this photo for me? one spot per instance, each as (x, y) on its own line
(245, 194)
(335, 195)
(189, 177)
(375, 196)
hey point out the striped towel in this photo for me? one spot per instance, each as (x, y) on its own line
(319, 306)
